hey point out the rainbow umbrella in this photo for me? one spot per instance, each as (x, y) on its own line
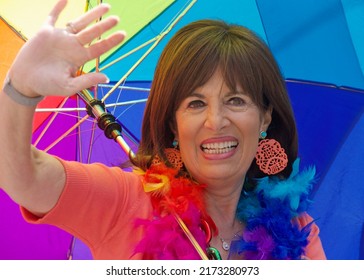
(320, 49)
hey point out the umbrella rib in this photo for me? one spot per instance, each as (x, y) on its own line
(66, 133)
(79, 138)
(124, 103)
(17, 32)
(65, 110)
(89, 152)
(159, 38)
(36, 142)
(55, 110)
(167, 29)
(129, 72)
(127, 88)
(128, 54)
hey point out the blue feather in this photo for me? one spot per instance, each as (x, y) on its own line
(269, 210)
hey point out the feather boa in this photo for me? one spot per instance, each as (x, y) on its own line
(164, 239)
(267, 212)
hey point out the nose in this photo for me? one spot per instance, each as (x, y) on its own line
(216, 118)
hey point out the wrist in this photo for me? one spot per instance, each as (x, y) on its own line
(19, 97)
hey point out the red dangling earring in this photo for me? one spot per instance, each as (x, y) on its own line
(173, 156)
(270, 157)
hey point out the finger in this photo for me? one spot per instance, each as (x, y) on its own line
(95, 31)
(83, 21)
(88, 80)
(105, 45)
(55, 12)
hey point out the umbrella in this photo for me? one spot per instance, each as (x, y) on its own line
(320, 50)
(20, 240)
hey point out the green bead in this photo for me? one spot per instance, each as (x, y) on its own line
(213, 253)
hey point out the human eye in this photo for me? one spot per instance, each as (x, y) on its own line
(195, 104)
(238, 101)
(195, 101)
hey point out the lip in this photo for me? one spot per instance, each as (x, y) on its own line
(219, 148)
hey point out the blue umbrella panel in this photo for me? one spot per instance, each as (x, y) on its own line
(330, 123)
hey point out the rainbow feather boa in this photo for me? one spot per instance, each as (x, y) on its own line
(268, 213)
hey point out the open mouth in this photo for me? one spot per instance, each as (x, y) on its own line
(219, 148)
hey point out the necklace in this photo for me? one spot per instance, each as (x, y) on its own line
(225, 245)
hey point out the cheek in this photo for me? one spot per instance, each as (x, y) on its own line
(250, 131)
(187, 127)
(255, 123)
(187, 132)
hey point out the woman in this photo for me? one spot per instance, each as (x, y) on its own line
(205, 184)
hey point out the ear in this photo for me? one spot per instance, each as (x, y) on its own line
(172, 126)
(267, 118)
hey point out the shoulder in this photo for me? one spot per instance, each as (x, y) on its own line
(303, 219)
(98, 174)
(314, 249)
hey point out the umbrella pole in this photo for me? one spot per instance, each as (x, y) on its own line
(105, 120)
(120, 140)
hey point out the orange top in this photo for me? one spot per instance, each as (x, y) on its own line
(99, 205)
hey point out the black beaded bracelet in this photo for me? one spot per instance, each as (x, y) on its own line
(19, 97)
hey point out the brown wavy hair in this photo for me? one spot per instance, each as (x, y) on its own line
(190, 59)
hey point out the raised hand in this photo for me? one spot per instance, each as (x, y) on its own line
(48, 62)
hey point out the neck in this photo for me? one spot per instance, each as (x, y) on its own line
(221, 204)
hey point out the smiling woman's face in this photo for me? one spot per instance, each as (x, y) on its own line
(218, 132)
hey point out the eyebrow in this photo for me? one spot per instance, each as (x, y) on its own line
(230, 93)
(237, 93)
(195, 94)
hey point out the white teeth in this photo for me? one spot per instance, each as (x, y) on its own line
(219, 148)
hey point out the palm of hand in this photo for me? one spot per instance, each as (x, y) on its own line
(47, 64)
